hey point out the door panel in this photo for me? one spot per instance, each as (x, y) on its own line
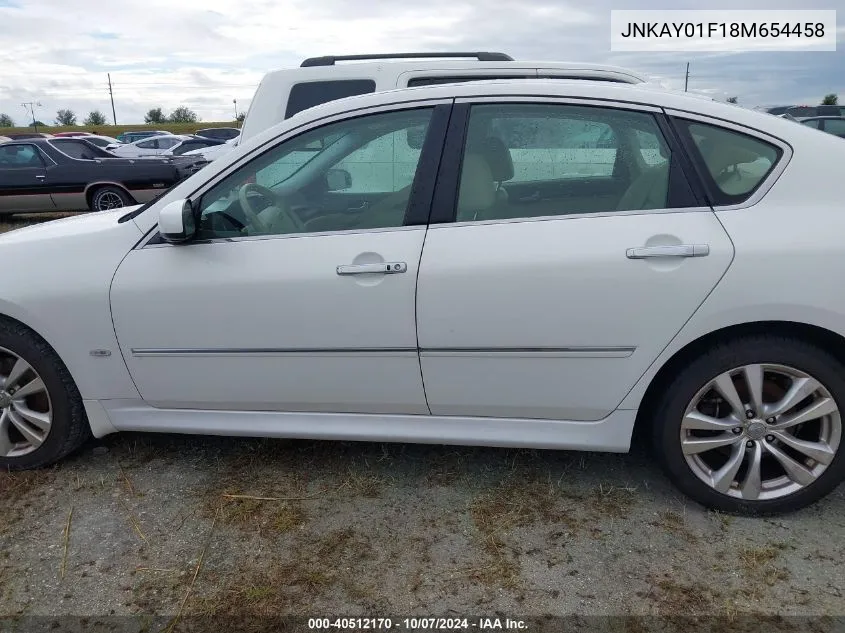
(263, 312)
(270, 325)
(24, 189)
(551, 319)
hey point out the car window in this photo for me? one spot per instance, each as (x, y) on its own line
(734, 164)
(312, 93)
(20, 157)
(166, 143)
(835, 126)
(360, 179)
(814, 123)
(75, 149)
(151, 144)
(523, 161)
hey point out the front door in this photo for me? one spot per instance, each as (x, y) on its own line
(575, 253)
(23, 185)
(285, 303)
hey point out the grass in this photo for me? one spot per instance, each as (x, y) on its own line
(114, 130)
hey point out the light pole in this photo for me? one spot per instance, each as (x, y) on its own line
(235, 101)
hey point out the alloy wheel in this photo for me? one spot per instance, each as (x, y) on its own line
(26, 413)
(108, 200)
(761, 431)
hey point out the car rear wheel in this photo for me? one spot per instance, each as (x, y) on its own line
(41, 414)
(754, 426)
(107, 198)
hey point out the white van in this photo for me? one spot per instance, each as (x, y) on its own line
(283, 93)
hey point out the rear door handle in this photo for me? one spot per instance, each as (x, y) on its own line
(386, 268)
(681, 250)
(40, 177)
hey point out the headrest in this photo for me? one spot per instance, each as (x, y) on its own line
(478, 188)
(499, 158)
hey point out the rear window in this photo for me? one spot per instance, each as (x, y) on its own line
(307, 95)
(732, 164)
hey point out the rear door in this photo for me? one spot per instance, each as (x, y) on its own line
(554, 307)
(22, 179)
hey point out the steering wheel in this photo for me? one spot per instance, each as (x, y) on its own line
(283, 212)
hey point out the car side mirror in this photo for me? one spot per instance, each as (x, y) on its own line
(338, 180)
(176, 222)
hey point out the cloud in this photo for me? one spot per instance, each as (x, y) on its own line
(205, 53)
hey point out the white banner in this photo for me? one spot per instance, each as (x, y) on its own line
(705, 31)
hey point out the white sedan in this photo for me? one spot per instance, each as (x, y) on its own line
(445, 265)
(151, 146)
(214, 152)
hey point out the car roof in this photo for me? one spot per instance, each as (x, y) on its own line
(364, 69)
(640, 94)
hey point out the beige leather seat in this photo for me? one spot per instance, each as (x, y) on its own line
(650, 190)
(477, 193)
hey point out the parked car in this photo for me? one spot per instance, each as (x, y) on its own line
(131, 137)
(447, 268)
(20, 135)
(799, 111)
(219, 133)
(70, 174)
(103, 142)
(192, 143)
(70, 134)
(152, 146)
(831, 124)
(283, 93)
(214, 152)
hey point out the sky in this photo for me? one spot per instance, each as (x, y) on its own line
(205, 54)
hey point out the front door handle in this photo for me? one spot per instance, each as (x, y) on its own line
(386, 268)
(40, 177)
(681, 250)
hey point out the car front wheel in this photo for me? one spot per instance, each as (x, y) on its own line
(41, 414)
(754, 426)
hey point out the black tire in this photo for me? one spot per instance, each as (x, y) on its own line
(670, 409)
(69, 428)
(105, 198)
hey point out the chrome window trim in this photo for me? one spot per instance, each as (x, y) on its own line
(562, 100)
(573, 216)
(293, 132)
(773, 176)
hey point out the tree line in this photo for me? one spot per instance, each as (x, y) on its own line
(67, 117)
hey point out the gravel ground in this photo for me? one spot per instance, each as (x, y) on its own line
(176, 530)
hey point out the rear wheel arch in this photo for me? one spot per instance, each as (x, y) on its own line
(821, 337)
(91, 189)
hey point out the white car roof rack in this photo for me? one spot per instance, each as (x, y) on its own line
(482, 56)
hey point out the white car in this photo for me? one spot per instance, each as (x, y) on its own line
(103, 142)
(151, 146)
(443, 265)
(213, 152)
(283, 93)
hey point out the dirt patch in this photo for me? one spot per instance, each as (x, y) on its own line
(374, 529)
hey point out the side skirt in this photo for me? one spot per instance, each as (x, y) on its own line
(612, 434)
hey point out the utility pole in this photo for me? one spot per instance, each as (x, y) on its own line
(111, 96)
(686, 79)
(235, 101)
(31, 105)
